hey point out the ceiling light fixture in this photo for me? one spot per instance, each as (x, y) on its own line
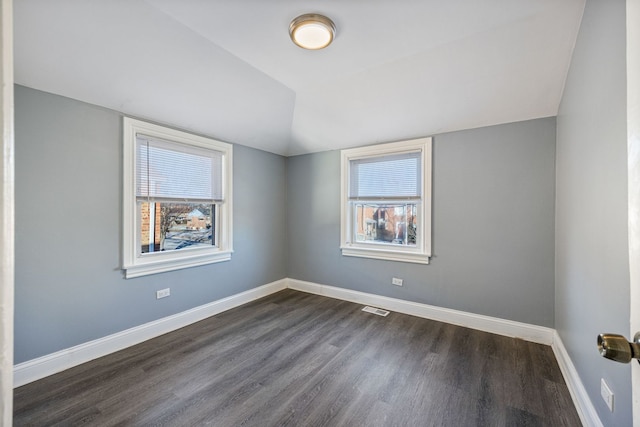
(312, 31)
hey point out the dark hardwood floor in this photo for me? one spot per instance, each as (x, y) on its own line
(296, 359)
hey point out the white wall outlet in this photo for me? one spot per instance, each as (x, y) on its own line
(163, 293)
(606, 393)
(396, 281)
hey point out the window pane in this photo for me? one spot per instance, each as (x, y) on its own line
(175, 226)
(386, 223)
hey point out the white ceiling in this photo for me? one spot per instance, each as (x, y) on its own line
(225, 68)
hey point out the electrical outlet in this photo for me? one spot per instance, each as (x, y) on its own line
(396, 281)
(163, 293)
(606, 393)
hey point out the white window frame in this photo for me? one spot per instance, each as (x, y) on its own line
(136, 264)
(421, 252)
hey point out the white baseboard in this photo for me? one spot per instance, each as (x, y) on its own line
(584, 406)
(537, 334)
(509, 328)
(50, 364)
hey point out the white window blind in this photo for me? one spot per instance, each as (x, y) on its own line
(173, 171)
(390, 177)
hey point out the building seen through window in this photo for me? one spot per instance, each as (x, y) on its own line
(395, 224)
(173, 226)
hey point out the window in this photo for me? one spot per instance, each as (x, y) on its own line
(177, 199)
(386, 201)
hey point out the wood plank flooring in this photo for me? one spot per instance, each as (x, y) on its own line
(296, 359)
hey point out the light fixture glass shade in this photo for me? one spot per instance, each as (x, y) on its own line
(312, 31)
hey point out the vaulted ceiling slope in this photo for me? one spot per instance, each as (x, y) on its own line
(227, 68)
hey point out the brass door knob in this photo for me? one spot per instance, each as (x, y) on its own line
(616, 347)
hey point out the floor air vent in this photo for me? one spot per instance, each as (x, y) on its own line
(374, 310)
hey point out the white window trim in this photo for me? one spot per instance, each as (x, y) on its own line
(136, 265)
(422, 251)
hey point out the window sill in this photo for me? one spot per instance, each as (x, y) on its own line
(161, 266)
(384, 254)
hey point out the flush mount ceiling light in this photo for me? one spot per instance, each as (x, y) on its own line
(312, 31)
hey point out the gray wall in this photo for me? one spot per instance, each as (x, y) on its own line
(592, 270)
(69, 286)
(493, 226)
